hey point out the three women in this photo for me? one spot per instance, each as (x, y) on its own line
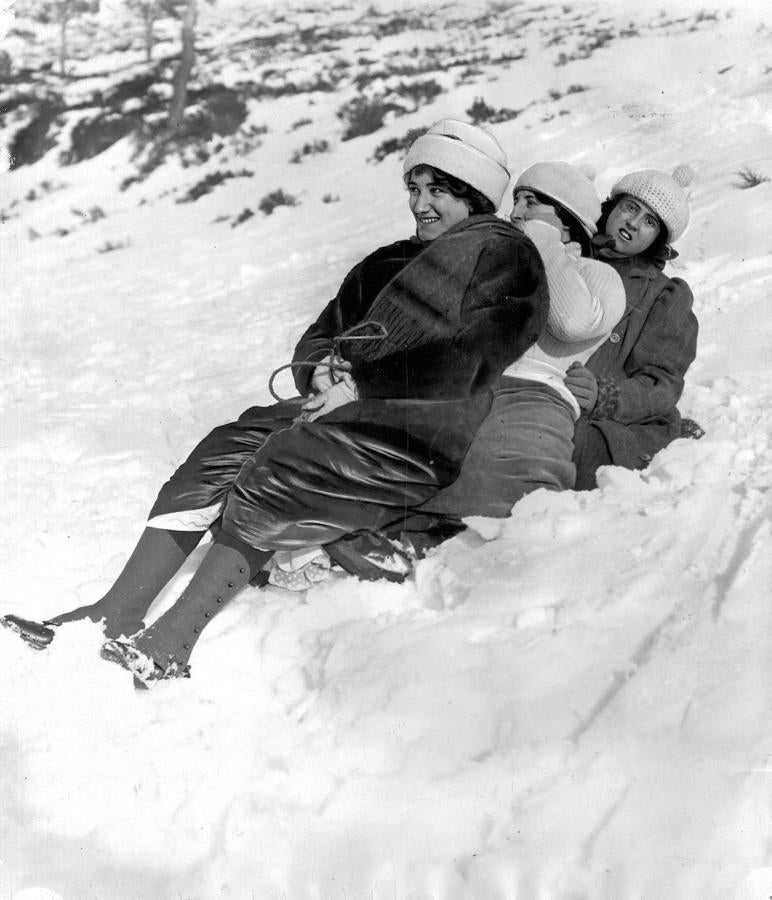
(418, 334)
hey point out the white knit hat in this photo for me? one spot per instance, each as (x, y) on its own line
(661, 192)
(567, 185)
(467, 152)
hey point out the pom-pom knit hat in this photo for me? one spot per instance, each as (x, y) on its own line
(465, 151)
(661, 192)
(567, 185)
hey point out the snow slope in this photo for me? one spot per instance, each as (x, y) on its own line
(570, 704)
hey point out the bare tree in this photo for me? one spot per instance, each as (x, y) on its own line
(61, 12)
(188, 18)
(149, 11)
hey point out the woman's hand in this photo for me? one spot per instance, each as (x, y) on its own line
(325, 376)
(338, 394)
(583, 385)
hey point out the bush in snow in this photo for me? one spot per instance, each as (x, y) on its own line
(94, 214)
(749, 178)
(310, 149)
(364, 115)
(209, 182)
(393, 145)
(276, 198)
(419, 92)
(35, 139)
(245, 214)
(479, 112)
(109, 246)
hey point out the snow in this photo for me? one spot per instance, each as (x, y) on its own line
(569, 704)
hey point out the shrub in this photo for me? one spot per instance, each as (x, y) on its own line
(749, 178)
(276, 198)
(364, 115)
(33, 141)
(310, 149)
(109, 246)
(94, 214)
(209, 182)
(393, 145)
(90, 137)
(419, 92)
(242, 217)
(480, 112)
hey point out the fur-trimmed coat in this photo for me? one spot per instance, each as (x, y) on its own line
(457, 311)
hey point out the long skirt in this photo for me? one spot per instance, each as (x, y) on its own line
(282, 484)
(525, 443)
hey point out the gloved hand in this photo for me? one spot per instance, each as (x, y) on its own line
(324, 376)
(583, 385)
(340, 393)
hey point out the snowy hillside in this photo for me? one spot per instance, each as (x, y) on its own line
(571, 704)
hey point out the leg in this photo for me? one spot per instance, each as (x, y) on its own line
(590, 452)
(186, 506)
(163, 649)
(156, 559)
(153, 563)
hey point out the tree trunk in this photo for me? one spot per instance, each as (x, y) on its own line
(185, 67)
(64, 14)
(149, 36)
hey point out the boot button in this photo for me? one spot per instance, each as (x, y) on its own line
(219, 599)
(231, 584)
(186, 646)
(196, 630)
(242, 571)
(207, 615)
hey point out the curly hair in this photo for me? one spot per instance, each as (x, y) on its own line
(660, 249)
(478, 204)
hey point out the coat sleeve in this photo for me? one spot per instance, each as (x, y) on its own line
(503, 311)
(655, 369)
(317, 340)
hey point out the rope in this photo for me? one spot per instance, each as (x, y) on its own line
(348, 335)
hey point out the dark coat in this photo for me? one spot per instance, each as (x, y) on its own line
(457, 311)
(640, 368)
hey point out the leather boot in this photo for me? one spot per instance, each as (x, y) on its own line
(163, 649)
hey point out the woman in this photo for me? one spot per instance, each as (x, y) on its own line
(526, 442)
(400, 363)
(628, 389)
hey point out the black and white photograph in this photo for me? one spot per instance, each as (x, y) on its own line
(293, 605)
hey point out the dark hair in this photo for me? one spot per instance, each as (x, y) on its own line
(478, 203)
(659, 250)
(576, 231)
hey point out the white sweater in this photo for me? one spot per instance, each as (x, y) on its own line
(587, 299)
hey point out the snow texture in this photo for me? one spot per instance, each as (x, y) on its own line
(569, 704)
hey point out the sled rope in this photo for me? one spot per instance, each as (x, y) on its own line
(350, 334)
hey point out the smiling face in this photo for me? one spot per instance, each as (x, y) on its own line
(527, 205)
(434, 207)
(633, 225)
